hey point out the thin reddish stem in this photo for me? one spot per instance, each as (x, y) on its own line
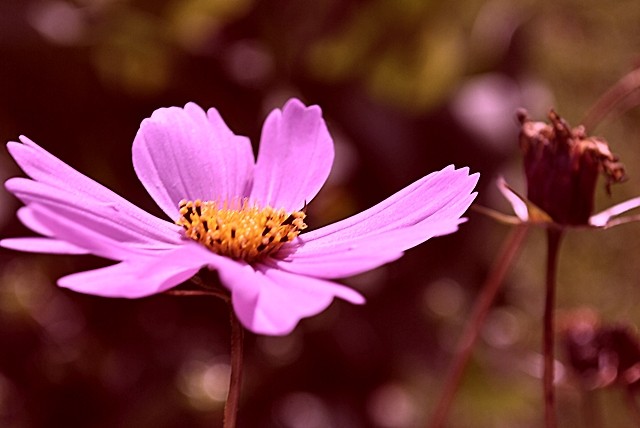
(615, 95)
(213, 293)
(634, 409)
(237, 342)
(554, 236)
(483, 303)
(590, 409)
(235, 381)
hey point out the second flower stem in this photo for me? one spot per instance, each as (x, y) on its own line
(634, 410)
(554, 237)
(482, 305)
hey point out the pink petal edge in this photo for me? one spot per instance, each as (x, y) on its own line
(517, 204)
(294, 159)
(47, 169)
(272, 302)
(184, 153)
(602, 218)
(441, 198)
(42, 245)
(141, 276)
(103, 218)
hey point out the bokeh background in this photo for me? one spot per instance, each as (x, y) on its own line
(407, 87)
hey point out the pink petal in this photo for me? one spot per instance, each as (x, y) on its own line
(341, 263)
(603, 218)
(519, 206)
(140, 277)
(94, 240)
(187, 154)
(295, 157)
(432, 205)
(45, 168)
(525, 210)
(103, 217)
(41, 245)
(269, 301)
(25, 215)
(429, 207)
(361, 255)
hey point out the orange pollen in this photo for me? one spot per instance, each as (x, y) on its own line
(239, 229)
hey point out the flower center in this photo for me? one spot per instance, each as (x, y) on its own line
(239, 229)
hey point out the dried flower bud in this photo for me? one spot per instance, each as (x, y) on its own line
(623, 347)
(603, 355)
(562, 166)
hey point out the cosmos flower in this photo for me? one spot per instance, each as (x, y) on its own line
(227, 213)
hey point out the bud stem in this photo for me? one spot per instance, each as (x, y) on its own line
(590, 409)
(554, 236)
(633, 404)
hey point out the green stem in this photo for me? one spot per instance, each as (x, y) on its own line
(472, 329)
(554, 237)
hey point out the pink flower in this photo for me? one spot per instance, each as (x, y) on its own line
(228, 213)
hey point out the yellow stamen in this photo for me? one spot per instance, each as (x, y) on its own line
(239, 229)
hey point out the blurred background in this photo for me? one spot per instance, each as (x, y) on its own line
(407, 87)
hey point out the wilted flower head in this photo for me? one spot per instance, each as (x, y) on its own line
(229, 213)
(562, 165)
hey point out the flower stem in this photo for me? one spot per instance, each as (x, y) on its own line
(554, 236)
(237, 341)
(472, 329)
(590, 409)
(612, 98)
(633, 405)
(213, 293)
(235, 382)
